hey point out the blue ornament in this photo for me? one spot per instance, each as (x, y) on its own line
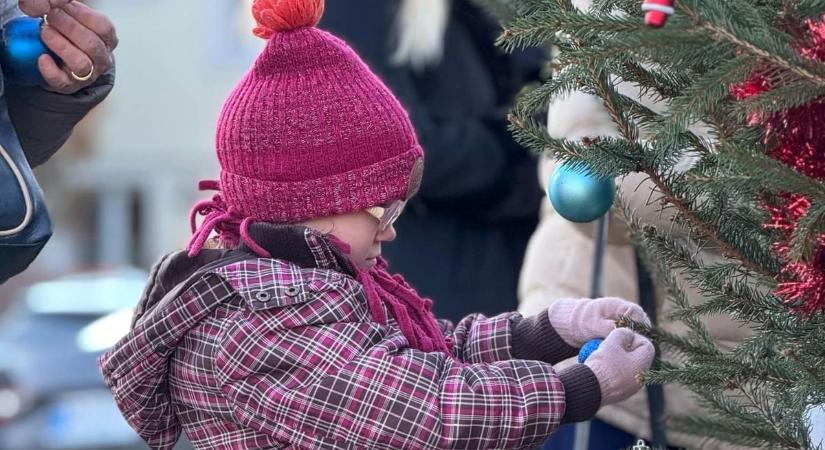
(21, 48)
(579, 196)
(588, 348)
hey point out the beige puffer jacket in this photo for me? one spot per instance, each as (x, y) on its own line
(558, 262)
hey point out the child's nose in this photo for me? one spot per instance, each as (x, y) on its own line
(387, 235)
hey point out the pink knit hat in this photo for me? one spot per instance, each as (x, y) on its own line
(310, 131)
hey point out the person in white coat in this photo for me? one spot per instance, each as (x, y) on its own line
(558, 265)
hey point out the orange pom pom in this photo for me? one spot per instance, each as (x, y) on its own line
(285, 15)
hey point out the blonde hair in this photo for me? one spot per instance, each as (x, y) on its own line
(420, 27)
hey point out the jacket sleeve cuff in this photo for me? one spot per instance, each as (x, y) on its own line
(44, 120)
(582, 393)
(535, 339)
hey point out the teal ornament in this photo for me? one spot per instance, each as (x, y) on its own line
(588, 348)
(579, 196)
(21, 48)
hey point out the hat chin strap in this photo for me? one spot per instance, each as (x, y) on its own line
(220, 217)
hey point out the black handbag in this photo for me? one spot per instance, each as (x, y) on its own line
(25, 226)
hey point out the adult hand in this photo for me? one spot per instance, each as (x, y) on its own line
(81, 37)
(39, 7)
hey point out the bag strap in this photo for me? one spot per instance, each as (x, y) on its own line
(24, 188)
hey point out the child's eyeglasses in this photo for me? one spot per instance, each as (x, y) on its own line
(387, 215)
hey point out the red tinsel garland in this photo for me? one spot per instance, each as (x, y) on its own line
(796, 139)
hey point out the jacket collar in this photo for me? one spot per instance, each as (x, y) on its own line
(300, 245)
(297, 244)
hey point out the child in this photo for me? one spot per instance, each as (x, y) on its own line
(294, 335)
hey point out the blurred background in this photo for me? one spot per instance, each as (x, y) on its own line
(119, 193)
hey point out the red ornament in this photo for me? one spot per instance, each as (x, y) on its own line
(796, 139)
(657, 12)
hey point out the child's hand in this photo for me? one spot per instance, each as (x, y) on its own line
(620, 359)
(578, 321)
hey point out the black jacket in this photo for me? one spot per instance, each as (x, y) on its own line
(462, 239)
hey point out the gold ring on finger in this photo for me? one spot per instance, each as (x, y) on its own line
(84, 78)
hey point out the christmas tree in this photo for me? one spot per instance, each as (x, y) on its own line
(737, 89)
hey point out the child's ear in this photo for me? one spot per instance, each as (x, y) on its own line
(331, 223)
(416, 175)
(325, 225)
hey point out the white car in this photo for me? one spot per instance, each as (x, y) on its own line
(52, 395)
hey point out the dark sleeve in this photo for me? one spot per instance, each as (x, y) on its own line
(534, 338)
(44, 120)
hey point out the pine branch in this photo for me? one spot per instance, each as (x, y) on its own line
(604, 157)
(560, 85)
(611, 100)
(787, 96)
(665, 83)
(807, 9)
(712, 184)
(735, 431)
(703, 229)
(704, 95)
(776, 48)
(768, 173)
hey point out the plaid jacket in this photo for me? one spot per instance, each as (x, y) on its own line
(283, 353)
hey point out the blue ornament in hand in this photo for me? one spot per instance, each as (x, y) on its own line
(21, 48)
(588, 348)
(579, 196)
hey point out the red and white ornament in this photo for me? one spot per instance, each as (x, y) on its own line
(657, 12)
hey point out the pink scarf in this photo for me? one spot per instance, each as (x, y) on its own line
(412, 312)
